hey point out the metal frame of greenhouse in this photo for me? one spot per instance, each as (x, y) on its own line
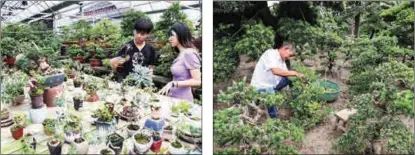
(61, 13)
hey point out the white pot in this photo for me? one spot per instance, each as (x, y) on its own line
(173, 150)
(82, 148)
(38, 115)
(142, 147)
(132, 132)
(70, 136)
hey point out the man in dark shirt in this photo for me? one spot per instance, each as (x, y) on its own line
(136, 51)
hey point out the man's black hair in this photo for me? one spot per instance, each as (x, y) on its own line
(143, 25)
(278, 40)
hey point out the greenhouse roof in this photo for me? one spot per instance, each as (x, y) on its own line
(61, 11)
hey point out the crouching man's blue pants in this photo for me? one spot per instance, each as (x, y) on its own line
(272, 110)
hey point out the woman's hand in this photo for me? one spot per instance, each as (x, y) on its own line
(165, 90)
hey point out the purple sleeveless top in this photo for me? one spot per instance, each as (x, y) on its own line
(180, 69)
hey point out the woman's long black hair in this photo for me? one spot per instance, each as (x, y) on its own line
(183, 35)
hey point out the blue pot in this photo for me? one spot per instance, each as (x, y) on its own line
(155, 125)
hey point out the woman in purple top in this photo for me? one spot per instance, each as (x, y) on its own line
(186, 67)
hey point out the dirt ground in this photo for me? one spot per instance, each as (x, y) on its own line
(321, 138)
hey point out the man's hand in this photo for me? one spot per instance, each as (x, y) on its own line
(298, 74)
(115, 62)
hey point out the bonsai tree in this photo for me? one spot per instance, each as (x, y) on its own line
(8, 47)
(75, 51)
(106, 31)
(105, 114)
(49, 126)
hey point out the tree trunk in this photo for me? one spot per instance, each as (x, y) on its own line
(372, 34)
(356, 26)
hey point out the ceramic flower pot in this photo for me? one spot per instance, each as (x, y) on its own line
(105, 151)
(81, 145)
(142, 148)
(71, 135)
(49, 96)
(131, 130)
(77, 104)
(18, 133)
(105, 127)
(154, 124)
(176, 150)
(18, 100)
(79, 59)
(93, 97)
(155, 147)
(55, 147)
(95, 62)
(37, 101)
(38, 115)
(10, 60)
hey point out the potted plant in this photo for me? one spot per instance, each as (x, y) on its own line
(155, 123)
(157, 140)
(77, 101)
(81, 145)
(175, 111)
(4, 113)
(168, 129)
(115, 142)
(13, 90)
(76, 53)
(54, 146)
(18, 127)
(142, 142)
(130, 113)
(132, 129)
(91, 89)
(176, 148)
(95, 60)
(106, 119)
(106, 151)
(8, 46)
(77, 82)
(72, 128)
(49, 126)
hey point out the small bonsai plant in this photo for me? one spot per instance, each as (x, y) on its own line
(72, 124)
(78, 101)
(20, 123)
(105, 114)
(91, 89)
(49, 126)
(13, 90)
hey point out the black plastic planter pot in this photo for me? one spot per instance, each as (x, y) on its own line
(37, 101)
(77, 84)
(55, 149)
(77, 103)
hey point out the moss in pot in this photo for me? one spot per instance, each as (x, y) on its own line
(176, 144)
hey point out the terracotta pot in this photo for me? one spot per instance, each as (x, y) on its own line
(55, 149)
(79, 58)
(17, 134)
(37, 101)
(95, 62)
(71, 76)
(10, 60)
(18, 100)
(155, 147)
(49, 96)
(92, 97)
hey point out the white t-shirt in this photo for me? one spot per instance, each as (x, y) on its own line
(263, 77)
